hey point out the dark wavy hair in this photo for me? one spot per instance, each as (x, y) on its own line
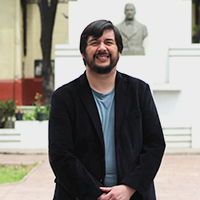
(96, 29)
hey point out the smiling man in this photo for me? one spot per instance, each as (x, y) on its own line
(101, 54)
(105, 137)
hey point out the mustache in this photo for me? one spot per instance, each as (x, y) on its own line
(99, 54)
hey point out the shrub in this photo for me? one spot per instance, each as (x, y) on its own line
(7, 109)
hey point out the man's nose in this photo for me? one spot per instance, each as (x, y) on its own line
(102, 46)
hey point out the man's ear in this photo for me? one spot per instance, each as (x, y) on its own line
(83, 56)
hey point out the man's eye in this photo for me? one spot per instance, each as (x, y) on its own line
(94, 43)
(109, 43)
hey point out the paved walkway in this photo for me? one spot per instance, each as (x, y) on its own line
(38, 185)
(177, 179)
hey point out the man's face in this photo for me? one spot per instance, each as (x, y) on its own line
(101, 54)
(129, 12)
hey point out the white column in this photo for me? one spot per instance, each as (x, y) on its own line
(18, 41)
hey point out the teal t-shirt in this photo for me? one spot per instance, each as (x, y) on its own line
(106, 108)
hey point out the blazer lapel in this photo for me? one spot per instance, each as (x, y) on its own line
(86, 96)
(120, 101)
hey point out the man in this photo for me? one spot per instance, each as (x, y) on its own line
(105, 138)
(133, 32)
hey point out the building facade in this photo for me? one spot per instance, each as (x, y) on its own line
(20, 51)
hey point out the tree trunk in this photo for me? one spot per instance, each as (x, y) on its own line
(47, 13)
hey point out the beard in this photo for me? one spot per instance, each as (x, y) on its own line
(101, 69)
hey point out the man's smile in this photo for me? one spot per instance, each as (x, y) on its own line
(102, 57)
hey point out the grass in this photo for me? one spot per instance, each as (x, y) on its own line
(14, 173)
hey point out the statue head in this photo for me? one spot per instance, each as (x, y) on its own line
(129, 11)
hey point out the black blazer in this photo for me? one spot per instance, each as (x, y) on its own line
(76, 145)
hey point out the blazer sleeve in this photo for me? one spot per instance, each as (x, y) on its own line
(141, 174)
(69, 171)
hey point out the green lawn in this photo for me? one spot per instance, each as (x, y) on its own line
(14, 173)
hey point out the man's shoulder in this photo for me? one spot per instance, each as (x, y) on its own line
(127, 77)
(131, 81)
(132, 86)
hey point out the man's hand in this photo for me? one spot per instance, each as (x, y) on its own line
(120, 192)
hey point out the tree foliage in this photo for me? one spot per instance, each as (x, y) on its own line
(196, 35)
(7, 109)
